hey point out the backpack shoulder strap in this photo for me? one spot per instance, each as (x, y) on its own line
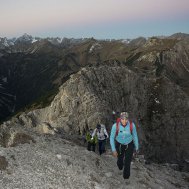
(117, 126)
(131, 126)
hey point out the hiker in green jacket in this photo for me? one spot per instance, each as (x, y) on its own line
(91, 141)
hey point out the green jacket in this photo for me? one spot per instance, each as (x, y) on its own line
(88, 138)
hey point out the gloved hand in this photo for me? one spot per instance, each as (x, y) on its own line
(137, 152)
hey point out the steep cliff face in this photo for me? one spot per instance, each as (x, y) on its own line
(167, 123)
(163, 57)
(176, 63)
(89, 97)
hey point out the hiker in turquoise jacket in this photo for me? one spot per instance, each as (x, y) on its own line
(123, 141)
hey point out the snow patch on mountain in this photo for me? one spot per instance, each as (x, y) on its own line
(34, 40)
(94, 47)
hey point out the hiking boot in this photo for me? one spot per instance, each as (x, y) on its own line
(126, 175)
(120, 166)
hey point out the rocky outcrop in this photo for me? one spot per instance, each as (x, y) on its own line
(138, 42)
(167, 123)
(89, 97)
(3, 163)
(176, 63)
(12, 134)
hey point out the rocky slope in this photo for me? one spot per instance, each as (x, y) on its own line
(54, 162)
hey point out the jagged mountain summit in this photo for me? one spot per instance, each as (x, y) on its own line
(180, 35)
(25, 41)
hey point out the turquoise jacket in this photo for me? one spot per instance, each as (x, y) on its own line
(124, 136)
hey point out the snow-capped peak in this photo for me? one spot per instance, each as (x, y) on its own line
(25, 38)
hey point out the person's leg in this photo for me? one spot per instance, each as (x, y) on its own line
(127, 162)
(89, 146)
(100, 147)
(103, 146)
(93, 147)
(84, 139)
(120, 157)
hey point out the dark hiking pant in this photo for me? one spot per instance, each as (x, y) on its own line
(125, 154)
(101, 146)
(91, 146)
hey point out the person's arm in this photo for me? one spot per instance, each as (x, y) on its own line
(94, 133)
(135, 137)
(112, 140)
(112, 137)
(106, 133)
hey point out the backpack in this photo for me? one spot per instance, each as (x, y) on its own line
(102, 132)
(117, 126)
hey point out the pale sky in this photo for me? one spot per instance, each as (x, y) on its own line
(101, 19)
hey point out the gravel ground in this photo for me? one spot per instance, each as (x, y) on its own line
(56, 163)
